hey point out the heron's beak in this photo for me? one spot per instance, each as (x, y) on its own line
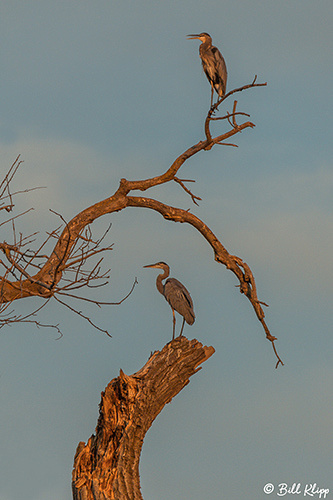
(192, 37)
(150, 265)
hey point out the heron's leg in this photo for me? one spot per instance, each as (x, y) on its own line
(174, 324)
(211, 96)
(181, 331)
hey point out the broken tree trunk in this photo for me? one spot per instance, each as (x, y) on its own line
(107, 467)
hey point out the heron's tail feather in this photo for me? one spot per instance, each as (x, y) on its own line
(190, 317)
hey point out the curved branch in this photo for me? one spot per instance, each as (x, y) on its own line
(45, 282)
(51, 273)
(107, 467)
(235, 264)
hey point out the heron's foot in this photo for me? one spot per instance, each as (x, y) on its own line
(213, 110)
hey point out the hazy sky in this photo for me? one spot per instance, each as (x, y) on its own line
(95, 91)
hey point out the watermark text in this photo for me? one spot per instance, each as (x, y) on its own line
(311, 490)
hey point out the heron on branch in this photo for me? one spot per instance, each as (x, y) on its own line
(176, 294)
(213, 64)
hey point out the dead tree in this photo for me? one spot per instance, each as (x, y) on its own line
(107, 467)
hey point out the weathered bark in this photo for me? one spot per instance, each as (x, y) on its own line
(107, 467)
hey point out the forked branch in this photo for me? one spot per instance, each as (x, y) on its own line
(70, 249)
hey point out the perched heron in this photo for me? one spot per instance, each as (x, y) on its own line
(176, 294)
(213, 64)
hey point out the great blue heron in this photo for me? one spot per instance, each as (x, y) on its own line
(213, 64)
(176, 294)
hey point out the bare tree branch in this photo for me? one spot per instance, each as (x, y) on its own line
(181, 183)
(73, 247)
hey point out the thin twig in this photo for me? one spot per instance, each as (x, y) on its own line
(6, 249)
(181, 183)
(16, 216)
(79, 313)
(98, 302)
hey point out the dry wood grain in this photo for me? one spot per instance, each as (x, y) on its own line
(107, 467)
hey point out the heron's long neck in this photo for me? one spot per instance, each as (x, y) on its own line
(206, 45)
(160, 277)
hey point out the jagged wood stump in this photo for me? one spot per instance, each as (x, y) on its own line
(107, 467)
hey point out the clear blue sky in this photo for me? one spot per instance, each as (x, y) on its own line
(95, 91)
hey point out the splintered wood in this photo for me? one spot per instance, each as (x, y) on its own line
(107, 467)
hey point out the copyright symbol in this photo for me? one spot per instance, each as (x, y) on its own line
(268, 488)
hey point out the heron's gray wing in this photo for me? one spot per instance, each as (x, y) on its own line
(221, 69)
(215, 68)
(179, 299)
